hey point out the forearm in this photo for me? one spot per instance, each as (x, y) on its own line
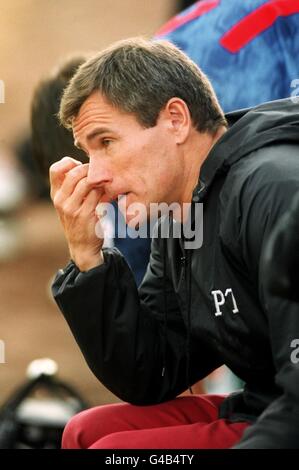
(119, 340)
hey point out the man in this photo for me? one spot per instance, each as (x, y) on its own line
(153, 130)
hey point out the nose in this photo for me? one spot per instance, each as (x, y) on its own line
(98, 173)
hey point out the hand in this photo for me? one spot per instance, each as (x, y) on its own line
(75, 202)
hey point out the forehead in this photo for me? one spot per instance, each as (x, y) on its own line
(95, 109)
(98, 114)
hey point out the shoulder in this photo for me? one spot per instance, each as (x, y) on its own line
(273, 169)
(258, 190)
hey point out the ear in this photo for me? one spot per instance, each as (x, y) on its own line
(179, 118)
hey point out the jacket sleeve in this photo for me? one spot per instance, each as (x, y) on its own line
(121, 332)
(262, 208)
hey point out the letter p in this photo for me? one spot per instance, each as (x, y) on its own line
(219, 299)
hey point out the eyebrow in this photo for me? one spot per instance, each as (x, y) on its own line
(92, 135)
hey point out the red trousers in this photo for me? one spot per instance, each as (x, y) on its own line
(187, 422)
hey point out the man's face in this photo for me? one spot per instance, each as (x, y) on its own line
(126, 158)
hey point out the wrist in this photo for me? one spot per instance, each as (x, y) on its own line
(85, 263)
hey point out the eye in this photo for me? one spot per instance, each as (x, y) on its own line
(106, 142)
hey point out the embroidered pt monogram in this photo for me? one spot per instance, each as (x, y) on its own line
(220, 299)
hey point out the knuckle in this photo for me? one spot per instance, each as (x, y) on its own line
(67, 210)
(70, 211)
(57, 202)
(54, 170)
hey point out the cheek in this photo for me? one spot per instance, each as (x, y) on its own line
(148, 165)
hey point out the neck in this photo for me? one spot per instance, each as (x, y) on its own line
(195, 153)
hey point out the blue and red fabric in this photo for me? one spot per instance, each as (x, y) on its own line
(249, 49)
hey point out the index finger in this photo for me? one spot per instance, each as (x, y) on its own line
(58, 170)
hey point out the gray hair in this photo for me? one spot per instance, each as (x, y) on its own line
(139, 77)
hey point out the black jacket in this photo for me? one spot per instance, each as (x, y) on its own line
(147, 346)
(281, 259)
